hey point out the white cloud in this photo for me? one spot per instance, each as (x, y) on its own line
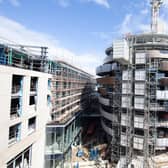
(104, 3)
(15, 3)
(20, 34)
(63, 3)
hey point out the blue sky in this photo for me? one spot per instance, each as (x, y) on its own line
(75, 30)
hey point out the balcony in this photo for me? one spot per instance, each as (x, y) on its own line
(163, 66)
(104, 69)
(104, 101)
(107, 129)
(102, 91)
(163, 81)
(108, 59)
(106, 80)
(107, 115)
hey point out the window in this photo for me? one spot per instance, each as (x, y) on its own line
(49, 84)
(32, 125)
(126, 75)
(33, 84)
(17, 82)
(140, 75)
(139, 88)
(139, 102)
(32, 100)
(23, 160)
(140, 58)
(126, 88)
(14, 133)
(48, 100)
(126, 101)
(15, 110)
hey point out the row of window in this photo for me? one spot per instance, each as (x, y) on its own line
(21, 160)
(15, 130)
(16, 100)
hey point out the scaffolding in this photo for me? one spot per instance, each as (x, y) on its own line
(148, 108)
(22, 56)
(115, 103)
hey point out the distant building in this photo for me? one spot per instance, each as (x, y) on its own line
(71, 88)
(41, 105)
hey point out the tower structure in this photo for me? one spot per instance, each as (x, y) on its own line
(155, 7)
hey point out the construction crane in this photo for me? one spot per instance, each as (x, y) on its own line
(155, 4)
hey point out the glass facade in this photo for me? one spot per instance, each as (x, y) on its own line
(59, 139)
(23, 160)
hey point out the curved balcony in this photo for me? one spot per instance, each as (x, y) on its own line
(103, 69)
(106, 115)
(102, 91)
(108, 59)
(163, 81)
(106, 80)
(163, 65)
(157, 54)
(104, 101)
(107, 129)
(109, 116)
(109, 51)
(106, 69)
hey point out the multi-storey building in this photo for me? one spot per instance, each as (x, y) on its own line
(24, 109)
(133, 97)
(70, 89)
(110, 88)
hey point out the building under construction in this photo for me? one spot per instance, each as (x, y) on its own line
(70, 88)
(133, 96)
(42, 102)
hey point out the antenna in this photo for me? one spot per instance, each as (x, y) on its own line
(155, 14)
